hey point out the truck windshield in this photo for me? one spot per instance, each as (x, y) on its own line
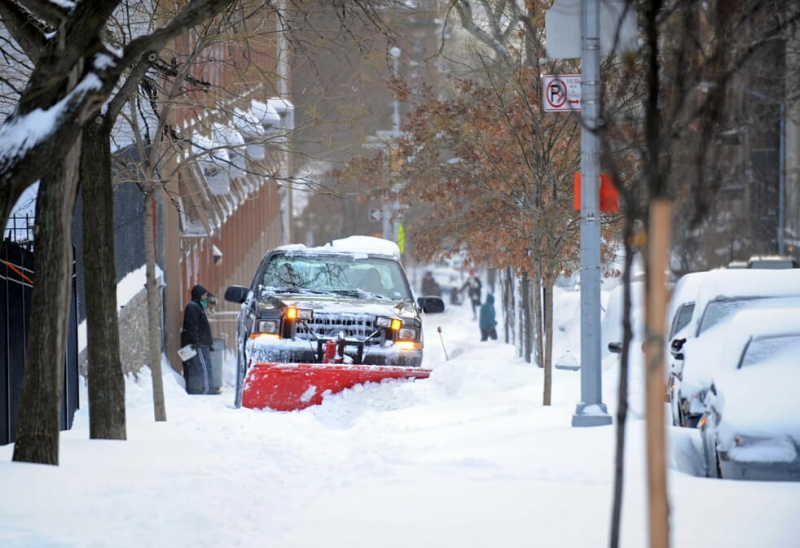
(336, 274)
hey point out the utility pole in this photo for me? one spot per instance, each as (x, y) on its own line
(591, 411)
(283, 93)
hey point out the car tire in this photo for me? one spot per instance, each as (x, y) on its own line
(241, 358)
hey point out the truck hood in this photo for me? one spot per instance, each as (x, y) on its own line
(337, 304)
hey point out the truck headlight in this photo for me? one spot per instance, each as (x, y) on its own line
(383, 321)
(407, 333)
(408, 345)
(299, 313)
(270, 327)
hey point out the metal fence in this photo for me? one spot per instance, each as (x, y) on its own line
(19, 229)
(16, 289)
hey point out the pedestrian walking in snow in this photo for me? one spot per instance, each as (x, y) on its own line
(196, 333)
(487, 321)
(473, 287)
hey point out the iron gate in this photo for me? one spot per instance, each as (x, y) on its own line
(16, 288)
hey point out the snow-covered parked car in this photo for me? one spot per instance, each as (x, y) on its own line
(352, 294)
(721, 294)
(751, 420)
(679, 319)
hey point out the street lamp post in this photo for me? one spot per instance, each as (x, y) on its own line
(591, 411)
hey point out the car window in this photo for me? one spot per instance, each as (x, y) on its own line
(723, 309)
(333, 273)
(783, 348)
(718, 311)
(682, 318)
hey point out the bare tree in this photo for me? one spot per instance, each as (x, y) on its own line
(74, 73)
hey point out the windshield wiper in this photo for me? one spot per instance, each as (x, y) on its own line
(346, 292)
(293, 290)
(374, 295)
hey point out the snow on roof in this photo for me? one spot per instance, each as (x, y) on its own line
(685, 291)
(265, 113)
(359, 245)
(367, 244)
(749, 282)
(687, 287)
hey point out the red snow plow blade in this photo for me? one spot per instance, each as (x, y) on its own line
(291, 386)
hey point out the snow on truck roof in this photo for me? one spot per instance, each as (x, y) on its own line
(358, 245)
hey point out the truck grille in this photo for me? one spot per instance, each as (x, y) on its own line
(330, 324)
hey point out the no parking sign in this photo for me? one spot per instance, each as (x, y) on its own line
(562, 93)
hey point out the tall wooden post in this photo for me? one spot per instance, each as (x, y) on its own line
(655, 314)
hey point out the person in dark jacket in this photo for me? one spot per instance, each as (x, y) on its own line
(430, 286)
(487, 320)
(473, 287)
(197, 333)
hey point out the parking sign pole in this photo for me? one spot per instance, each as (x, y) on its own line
(591, 411)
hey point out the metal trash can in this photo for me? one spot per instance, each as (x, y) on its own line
(217, 356)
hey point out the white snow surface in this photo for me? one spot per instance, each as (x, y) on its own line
(468, 458)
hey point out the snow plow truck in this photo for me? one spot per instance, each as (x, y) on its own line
(318, 320)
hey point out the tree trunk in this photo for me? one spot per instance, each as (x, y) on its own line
(527, 324)
(622, 390)
(106, 379)
(536, 308)
(154, 328)
(508, 305)
(548, 344)
(39, 419)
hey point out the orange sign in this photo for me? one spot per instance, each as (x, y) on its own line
(609, 197)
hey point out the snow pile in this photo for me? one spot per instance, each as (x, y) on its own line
(467, 458)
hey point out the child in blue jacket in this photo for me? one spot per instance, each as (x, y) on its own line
(487, 320)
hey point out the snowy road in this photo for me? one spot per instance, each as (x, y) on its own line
(467, 458)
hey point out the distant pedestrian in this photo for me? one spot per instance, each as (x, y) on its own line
(430, 287)
(473, 287)
(196, 333)
(487, 321)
